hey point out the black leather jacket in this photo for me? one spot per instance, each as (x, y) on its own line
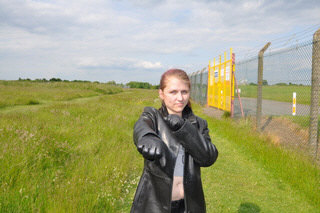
(155, 187)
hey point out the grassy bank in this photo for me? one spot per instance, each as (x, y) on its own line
(32, 93)
(78, 156)
(253, 174)
(74, 157)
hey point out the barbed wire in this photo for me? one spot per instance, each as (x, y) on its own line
(291, 40)
(311, 29)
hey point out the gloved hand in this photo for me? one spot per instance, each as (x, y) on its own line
(150, 147)
(174, 122)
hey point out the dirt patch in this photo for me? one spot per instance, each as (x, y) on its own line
(213, 112)
(282, 131)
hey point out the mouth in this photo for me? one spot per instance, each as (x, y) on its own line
(180, 104)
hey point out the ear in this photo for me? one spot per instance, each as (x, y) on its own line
(161, 94)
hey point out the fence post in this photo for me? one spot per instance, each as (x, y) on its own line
(191, 89)
(197, 86)
(200, 87)
(315, 86)
(206, 84)
(260, 80)
(194, 93)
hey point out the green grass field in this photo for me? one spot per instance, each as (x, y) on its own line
(32, 93)
(79, 156)
(278, 93)
(282, 94)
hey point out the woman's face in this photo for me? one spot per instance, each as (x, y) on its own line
(175, 95)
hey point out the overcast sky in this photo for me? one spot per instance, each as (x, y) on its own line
(137, 40)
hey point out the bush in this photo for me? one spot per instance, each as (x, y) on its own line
(55, 79)
(136, 84)
(226, 114)
(281, 84)
(264, 82)
(33, 102)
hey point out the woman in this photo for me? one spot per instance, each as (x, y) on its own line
(175, 144)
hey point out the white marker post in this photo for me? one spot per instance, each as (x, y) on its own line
(294, 103)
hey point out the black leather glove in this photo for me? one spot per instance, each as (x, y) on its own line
(150, 147)
(174, 122)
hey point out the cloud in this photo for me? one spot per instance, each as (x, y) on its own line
(119, 63)
(78, 37)
(17, 40)
(148, 65)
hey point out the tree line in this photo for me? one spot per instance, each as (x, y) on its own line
(141, 85)
(131, 84)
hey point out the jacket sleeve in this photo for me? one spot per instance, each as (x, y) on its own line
(145, 125)
(145, 134)
(198, 143)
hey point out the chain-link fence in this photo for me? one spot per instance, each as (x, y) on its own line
(199, 86)
(286, 90)
(290, 80)
(285, 72)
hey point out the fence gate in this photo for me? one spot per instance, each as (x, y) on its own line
(221, 82)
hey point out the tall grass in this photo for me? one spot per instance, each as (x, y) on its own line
(74, 157)
(30, 93)
(78, 156)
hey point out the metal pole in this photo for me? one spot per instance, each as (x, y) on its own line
(232, 89)
(192, 87)
(233, 56)
(206, 86)
(197, 87)
(260, 79)
(315, 88)
(200, 88)
(203, 87)
(241, 108)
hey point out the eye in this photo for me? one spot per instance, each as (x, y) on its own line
(173, 92)
(184, 92)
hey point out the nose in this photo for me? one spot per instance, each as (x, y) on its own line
(180, 97)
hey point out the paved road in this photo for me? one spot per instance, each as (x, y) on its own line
(269, 107)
